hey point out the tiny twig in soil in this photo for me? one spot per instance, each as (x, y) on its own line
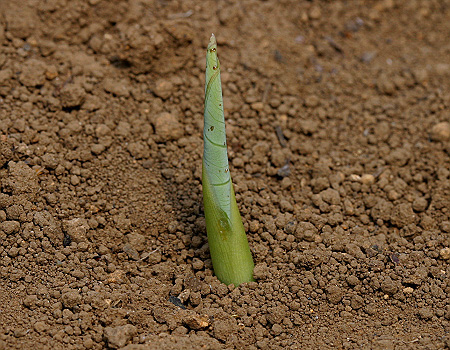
(280, 136)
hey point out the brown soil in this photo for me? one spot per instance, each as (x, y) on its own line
(339, 138)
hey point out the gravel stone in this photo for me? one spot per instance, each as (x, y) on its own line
(440, 131)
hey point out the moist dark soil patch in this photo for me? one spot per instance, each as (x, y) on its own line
(339, 139)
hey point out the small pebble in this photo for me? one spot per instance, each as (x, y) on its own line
(440, 131)
(367, 179)
(420, 204)
(257, 106)
(444, 253)
(195, 321)
(74, 180)
(355, 178)
(315, 12)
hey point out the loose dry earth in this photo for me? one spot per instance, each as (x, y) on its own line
(339, 138)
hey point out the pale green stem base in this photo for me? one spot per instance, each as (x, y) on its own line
(230, 252)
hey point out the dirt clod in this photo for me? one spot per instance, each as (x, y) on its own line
(72, 96)
(163, 89)
(71, 299)
(167, 127)
(118, 337)
(33, 73)
(334, 294)
(444, 253)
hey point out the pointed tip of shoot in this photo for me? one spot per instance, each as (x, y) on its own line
(212, 40)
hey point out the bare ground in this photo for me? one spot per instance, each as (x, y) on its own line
(338, 126)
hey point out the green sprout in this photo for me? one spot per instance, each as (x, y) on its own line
(230, 254)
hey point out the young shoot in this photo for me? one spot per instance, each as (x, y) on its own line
(231, 257)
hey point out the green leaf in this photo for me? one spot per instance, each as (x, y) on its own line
(230, 253)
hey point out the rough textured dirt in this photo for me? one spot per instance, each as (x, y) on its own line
(339, 138)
